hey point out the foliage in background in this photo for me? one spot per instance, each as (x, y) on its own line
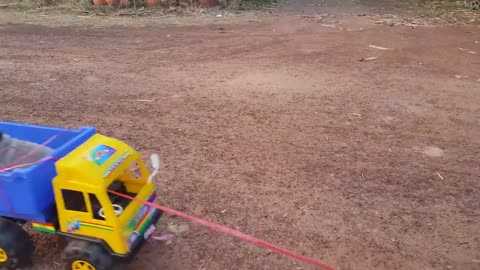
(453, 11)
(238, 4)
(447, 5)
(88, 4)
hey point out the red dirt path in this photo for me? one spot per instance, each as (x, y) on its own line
(276, 129)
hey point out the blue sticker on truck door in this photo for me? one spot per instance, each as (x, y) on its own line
(101, 153)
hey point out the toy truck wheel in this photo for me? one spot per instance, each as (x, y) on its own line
(16, 246)
(82, 255)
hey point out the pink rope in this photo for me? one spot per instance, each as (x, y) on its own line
(25, 164)
(232, 232)
(203, 222)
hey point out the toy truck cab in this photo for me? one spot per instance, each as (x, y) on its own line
(90, 213)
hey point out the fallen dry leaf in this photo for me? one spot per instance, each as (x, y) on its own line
(380, 48)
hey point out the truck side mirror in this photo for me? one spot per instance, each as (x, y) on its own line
(156, 166)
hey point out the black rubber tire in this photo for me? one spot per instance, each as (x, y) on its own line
(92, 253)
(16, 243)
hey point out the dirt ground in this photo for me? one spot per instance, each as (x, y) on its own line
(270, 124)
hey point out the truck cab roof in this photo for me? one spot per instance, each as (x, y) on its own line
(95, 163)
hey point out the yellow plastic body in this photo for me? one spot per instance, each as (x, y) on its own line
(89, 170)
(3, 256)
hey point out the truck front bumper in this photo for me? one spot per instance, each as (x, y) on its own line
(136, 245)
(139, 241)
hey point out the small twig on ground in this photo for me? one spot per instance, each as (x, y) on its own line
(366, 59)
(328, 25)
(459, 77)
(380, 48)
(439, 175)
(145, 100)
(9, 5)
(465, 50)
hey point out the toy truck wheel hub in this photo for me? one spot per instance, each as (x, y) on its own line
(3, 256)
(82, 265)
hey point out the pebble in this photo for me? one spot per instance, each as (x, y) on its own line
(433, 151)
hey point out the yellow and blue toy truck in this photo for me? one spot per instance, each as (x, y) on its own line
(68, 194)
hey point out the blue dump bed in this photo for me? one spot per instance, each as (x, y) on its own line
(27, 193)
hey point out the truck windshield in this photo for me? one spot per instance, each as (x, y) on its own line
(129, 181)
(116, 200)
